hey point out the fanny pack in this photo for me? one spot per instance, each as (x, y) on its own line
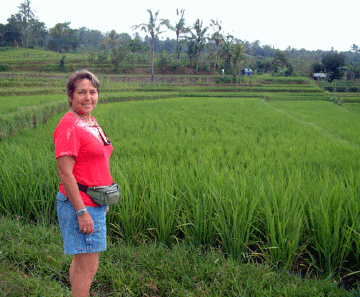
(107, 195)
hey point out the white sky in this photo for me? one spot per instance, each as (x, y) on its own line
(309, 24)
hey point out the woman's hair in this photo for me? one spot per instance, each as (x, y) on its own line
(80, 75)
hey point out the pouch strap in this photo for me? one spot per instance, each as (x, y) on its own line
(82, 188)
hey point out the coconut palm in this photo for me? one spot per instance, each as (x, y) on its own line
(153, 28)
(237, 56)
(226, 51)
(199, 36)
(179, 29)
(112, 39)
(217, 37)
(60, 37)
(27, 15)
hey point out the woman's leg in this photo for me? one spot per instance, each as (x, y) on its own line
(82, 271)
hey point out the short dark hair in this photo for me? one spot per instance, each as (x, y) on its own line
(80, 75)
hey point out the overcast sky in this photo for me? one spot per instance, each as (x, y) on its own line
(309, 24)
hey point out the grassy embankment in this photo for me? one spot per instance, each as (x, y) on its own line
(32, 264)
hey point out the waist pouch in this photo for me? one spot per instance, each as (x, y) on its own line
(107, 195)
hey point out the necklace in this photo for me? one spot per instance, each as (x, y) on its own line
(90, 122)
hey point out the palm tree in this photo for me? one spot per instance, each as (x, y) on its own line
(226, 51)
(199, 36)
(179, 29)
(2, 33)
(27, 15)
(153, 28)
(58, 36)
(217, 37)
(112, 39)
(237, 56)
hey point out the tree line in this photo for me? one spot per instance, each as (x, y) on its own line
(197, 46)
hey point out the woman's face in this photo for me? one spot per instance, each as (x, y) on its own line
(84, 98)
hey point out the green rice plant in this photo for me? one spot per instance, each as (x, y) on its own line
(28, 175)
(198, 212)
(148, 207)
(134, 96)
(222, 94)
(327, 224)
(352, 216)
(27, 181)
(352, 107)
(242, 174)
(236, 216)
(11, 104)
(163, 207)
(30, 91)
(32, 263)
(29, 118)
(128, 218)
(284, 216)
(296, 96)
(285, 80)
(352, 99)
(325, 116)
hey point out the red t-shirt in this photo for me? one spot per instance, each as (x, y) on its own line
(75, 137)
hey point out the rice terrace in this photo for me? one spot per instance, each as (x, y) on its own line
(231, 185)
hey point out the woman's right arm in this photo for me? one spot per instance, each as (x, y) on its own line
(65, 168)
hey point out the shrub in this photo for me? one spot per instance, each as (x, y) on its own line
(102, 57)
(353, 89)
(223, 79)
(3, 67)
(204, 66)
(62, 63)
(341, 89)
(340, 86)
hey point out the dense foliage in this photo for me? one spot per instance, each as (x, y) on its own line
(205, 48)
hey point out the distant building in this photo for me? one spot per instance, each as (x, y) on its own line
(247, 71)
(319, 76)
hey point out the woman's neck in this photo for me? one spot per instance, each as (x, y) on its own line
(86, 118)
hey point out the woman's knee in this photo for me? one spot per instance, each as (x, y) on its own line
(86, 263)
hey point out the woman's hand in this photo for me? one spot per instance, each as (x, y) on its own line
(86, 224)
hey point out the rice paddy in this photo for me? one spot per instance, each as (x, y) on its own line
(265, 174)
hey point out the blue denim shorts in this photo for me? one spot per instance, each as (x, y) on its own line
(76, 242)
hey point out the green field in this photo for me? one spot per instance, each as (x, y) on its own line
(265, 171)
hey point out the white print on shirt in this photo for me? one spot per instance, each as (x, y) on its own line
(69, 133)
(94, 131)
(64, 154)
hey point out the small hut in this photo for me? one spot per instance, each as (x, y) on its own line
(319, 76)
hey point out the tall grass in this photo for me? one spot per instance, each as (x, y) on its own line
(32, 263)
(327, 224)
(284, 216)
(11, 104)
(334, 121)
(28, 175)
(252, 177)
(235, 173)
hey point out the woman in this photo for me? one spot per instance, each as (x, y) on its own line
(82, 153)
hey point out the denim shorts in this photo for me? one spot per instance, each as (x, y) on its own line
(76, 242)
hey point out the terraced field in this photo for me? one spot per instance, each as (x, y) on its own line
(29, 98)
(259, 168)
